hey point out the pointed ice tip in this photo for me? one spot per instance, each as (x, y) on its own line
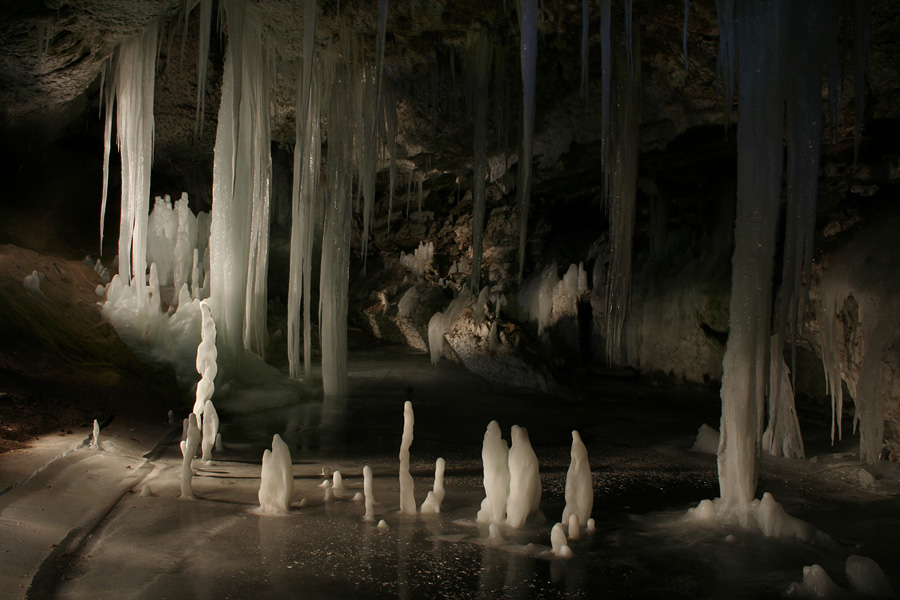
(576, 437)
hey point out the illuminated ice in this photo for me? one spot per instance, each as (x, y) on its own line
(524, 479)
(407, 499)
(495, 460)
(276, 480)
(579, 485)
(432, 503)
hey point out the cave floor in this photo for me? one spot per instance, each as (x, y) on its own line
(115, 542)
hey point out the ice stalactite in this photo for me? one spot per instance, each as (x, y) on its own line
(620, 192)
(307, 156)
(804, 133)
(585, 44)
(687, 16)
(202, 63)
(407, 498)
(241, 173)
(528, 31)
(725, 62)
(479, 63)
(759, 141)
(861, 32)
(130, 90)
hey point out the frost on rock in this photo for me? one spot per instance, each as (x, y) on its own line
(276, 480)
(579, 484)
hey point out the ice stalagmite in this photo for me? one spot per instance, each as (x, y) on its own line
(579, 485)
(524, 479)
(276, 484)
(370, 497)
(407, 499)
(188, 450)
(206, 360)
(241, 173)
(307, 149)
(130, 91)
(528, 31)
(759, 140)
(495, 461)
(432, 503)
(210, 430)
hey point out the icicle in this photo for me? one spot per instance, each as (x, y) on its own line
(134, 79)
(832, 18)
(303, 196)
(620, 175)
(687, 15)
(606, 87)
(528, 30)
(202, 63)
(479, 65)
(109, 95)
(585, 44)
(726, 57)
(759, 142)
(861, 30)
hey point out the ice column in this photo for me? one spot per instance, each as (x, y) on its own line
(579, 485)
(276, 480)
(528, 28)
(206, 359)
(130, 90)
(759, 142)
(524, 479)
(407, 499)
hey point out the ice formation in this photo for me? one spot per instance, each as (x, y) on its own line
(524, 479)
(206, 361)
(407, 499)
(370, 497)
(579, 485)
(432, 503)
(419, 262)
(816, 584)
(573, 528)
(528, 28)
(707, 440)
(33, 284)
(210, 430)
(559, 543)
(188, 451)
(495, 461)
(276, 484)
(442, 322)
(866, 577)
(95, 436)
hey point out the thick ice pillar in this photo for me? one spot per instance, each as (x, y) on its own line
(759, 140)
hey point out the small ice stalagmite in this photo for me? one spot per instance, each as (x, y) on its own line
(95, 436)
(524, 479)
(407, 498)
(188, 450)
(495, 459)
(559, 543)
(337, 484)
(432, 504)
(866, 577)
(370, 498)
(277, 479)
(579, 485)
(210, 430)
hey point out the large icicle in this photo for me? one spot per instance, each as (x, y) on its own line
(131, 88)
(202, 62)
(804, 134)
(620, 175)
(528, 30)
(480, 59)
(759, 141)
(303, 196)
(726, 58)
(241, 175)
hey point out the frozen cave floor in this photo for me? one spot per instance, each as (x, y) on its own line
(81, 528)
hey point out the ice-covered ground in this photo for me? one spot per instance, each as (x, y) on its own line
(152, 544)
